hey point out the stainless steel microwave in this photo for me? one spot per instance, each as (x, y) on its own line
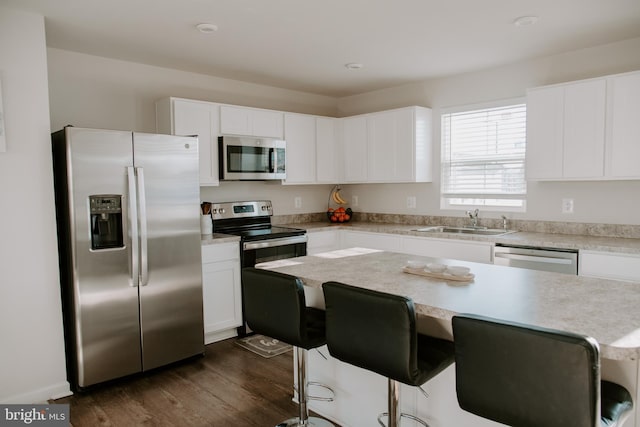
(251, 159)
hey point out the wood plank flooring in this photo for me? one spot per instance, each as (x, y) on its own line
(229, 386)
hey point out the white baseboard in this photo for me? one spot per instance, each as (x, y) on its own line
(41, 395)
(211, 337)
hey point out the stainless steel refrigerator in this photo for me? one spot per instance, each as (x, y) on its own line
(128, 218)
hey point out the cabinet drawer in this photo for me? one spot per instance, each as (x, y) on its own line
(220, 252)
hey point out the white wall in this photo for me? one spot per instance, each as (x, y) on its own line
(91, 91)
(600, 202)
(32, 365)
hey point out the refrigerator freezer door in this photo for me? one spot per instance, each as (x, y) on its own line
(102, 300)
(171, 267)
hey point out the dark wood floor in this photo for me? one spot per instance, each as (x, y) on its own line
(229, 386)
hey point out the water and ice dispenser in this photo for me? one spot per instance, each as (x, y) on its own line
(106, 221)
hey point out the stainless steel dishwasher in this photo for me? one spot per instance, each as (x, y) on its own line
(537, 258)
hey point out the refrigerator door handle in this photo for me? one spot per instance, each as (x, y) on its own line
(142, 205)
(133, 226)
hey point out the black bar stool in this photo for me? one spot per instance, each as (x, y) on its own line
(377, 331)
(275, 306)
(529, 376)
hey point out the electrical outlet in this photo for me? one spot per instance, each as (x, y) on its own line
(411, 202)
(567, 206)
(297, 202)
(354, 201)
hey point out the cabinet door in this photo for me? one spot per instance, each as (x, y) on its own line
(361, 239)
(607, 265)
(327, 166)
(234, 120)
(322, 241)
(267, 123)
(354, 143)
(544, 133)
(200, 118)
(222, 299)
(391, 142)
(382, 142)
(300, 134)
(623, 138)
(448, 248)
(584, 120)
(251, 122)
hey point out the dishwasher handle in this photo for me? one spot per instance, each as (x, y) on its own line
(533, 258)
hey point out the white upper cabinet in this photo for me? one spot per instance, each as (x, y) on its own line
(311, 149)
(246, 121)
(389, 146)
(176, 116)
(354, 146)
(584, 115)
(545, 122)
(584, 130)
(623, 126)
(328, 167)
(300, 134)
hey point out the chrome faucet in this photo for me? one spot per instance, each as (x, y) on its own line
(474, 218)
(504, 222)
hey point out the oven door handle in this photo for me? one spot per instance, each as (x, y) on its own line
(271, 243)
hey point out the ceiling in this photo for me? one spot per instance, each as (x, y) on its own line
(304, 45)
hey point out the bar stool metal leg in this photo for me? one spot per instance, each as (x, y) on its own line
(394, 415)
(303, 419)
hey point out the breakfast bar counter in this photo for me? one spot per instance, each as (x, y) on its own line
(606, 310)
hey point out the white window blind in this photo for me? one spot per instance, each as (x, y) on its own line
(483, 157)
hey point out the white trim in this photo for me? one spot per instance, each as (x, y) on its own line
(483, 105)
(41, 395)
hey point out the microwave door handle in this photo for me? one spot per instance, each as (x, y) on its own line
(272, 160)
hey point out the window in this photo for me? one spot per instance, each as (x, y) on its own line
(483, 152)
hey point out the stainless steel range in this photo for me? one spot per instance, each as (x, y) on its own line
(259, 240)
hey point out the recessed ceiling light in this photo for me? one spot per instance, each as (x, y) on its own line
(207, 28)
(353, 66)
(524, 21)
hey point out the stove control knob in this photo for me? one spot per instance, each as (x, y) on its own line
(221, 210)
(214, 211)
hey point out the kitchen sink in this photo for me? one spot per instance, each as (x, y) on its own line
(481, 231)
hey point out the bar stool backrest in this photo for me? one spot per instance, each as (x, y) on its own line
(372, 330)
(274, 305)
(522, 375)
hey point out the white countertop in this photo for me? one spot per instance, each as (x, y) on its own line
(604, 309)
(549, 240)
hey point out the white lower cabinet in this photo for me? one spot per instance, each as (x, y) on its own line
(322, 241)
(222, 298)
(448, 248)
(464, 250)
(364, 239)
(609, 265)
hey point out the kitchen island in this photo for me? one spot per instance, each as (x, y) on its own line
(604, 309)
